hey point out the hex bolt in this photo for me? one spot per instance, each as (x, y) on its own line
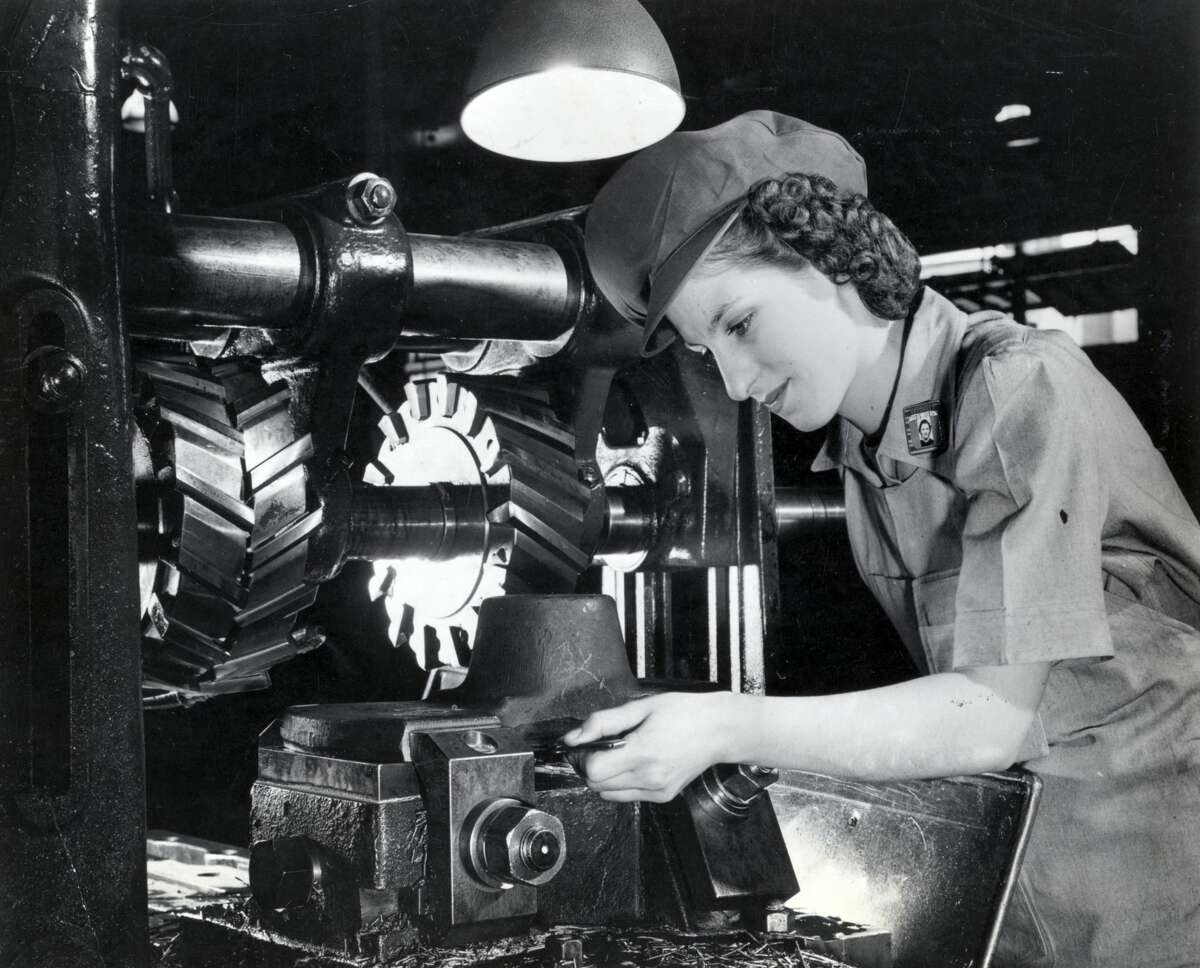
(566, 949)
(370, 199)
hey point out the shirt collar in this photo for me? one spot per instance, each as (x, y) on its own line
(927, 372)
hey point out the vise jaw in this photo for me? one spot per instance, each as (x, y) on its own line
(489, 848)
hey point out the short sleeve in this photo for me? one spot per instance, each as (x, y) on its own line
(1027, 457)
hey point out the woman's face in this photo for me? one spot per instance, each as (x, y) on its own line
(782, 335)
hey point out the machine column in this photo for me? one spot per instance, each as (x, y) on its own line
(72, 792)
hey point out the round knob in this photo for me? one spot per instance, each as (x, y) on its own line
(507, 842)
(284, 871)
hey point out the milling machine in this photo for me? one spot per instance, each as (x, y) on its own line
(542, 459)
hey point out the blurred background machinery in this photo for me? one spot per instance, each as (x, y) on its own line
(304, 455)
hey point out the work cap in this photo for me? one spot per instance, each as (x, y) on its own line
(668, 205)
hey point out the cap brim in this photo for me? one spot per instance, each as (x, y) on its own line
(675, 269)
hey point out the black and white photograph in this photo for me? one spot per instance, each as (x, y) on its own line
(599, 483)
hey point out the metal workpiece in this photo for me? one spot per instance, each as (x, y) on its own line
(72, 831)
(462, 771)
(547, 657)
(550, 659)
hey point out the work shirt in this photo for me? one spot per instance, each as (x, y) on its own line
(1014, 510)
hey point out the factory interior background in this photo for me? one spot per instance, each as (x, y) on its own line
(1101, 169)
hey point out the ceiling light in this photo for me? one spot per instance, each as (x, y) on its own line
(569, 80)
(1010, 112)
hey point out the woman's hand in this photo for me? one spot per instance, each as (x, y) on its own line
(671, 739)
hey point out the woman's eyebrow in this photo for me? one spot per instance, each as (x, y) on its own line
(715, 322)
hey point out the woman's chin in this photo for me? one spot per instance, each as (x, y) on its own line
(805, 422)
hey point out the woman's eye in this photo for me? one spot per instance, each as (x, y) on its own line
(741, 327)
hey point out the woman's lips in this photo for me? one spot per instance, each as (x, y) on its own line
(775, 396)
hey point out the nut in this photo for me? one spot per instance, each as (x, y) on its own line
(513, 843)
(370, 199)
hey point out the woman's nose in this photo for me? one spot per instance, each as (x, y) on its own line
(738, 378)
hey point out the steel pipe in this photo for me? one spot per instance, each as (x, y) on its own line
(186, 271)
(471, 288)
(208, 271)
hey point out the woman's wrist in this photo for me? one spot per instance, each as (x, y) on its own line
(731, 722)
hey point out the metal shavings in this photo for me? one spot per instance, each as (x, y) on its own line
(602, 948)
(606, 948)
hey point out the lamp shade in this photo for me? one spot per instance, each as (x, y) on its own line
(572, 80)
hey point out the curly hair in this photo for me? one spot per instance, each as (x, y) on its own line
(803, 218)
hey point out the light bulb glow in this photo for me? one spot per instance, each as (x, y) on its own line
(570, 113)
(1011, 112)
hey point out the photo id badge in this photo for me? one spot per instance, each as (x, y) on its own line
(923, 427)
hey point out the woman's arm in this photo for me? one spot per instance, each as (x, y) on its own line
(940, 725)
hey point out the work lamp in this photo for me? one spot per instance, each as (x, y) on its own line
(572, 80)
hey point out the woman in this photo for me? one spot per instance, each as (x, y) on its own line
(1003, 504)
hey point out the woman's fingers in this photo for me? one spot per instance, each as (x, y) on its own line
(609, 722)
(607, 764)
(617, 769)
